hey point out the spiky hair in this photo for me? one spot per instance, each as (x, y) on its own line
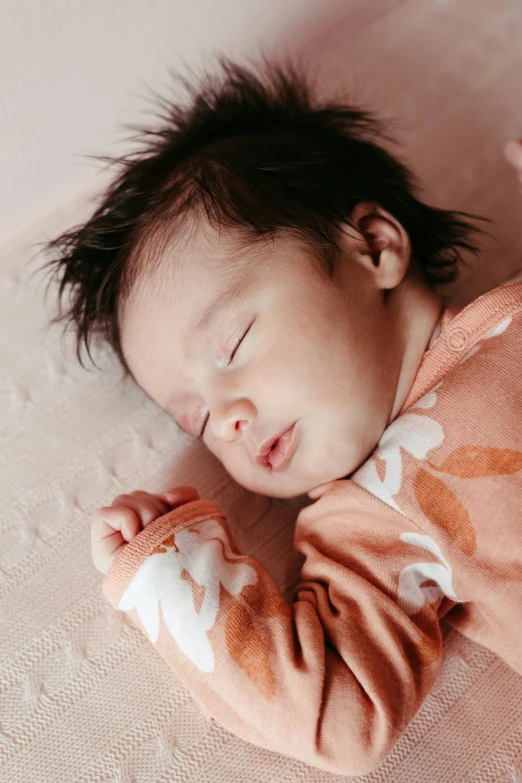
(251, 150)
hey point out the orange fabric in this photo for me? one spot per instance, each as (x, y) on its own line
(429, 527)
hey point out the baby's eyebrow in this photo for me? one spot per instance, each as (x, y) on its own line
(226, 299)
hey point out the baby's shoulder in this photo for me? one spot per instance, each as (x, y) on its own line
(451, 453)
(484, 337)
(476, 352)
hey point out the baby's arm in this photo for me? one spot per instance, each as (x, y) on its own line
(332, 679)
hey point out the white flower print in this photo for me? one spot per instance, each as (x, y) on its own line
(411, 432)
(203, 551)
(411, 596)
(499, 329)
(469, 354)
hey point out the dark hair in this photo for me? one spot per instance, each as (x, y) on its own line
(251, 150)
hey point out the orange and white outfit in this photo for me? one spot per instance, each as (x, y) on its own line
(430, 526)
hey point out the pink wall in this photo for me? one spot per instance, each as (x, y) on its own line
(73, 72)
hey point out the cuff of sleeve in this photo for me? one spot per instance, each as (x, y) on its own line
(135, 552)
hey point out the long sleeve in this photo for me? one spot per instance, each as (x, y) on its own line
(332, 679)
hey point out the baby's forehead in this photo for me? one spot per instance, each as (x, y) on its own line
(193, 269)
(178, 261)
(208, 256)
(211, 278)
(193, 278)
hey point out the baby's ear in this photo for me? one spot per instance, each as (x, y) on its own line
(383, 245)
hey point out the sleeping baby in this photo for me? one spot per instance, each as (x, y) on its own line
(264, 270)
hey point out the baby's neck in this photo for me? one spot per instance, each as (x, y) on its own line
(421, 311)
(435, 333)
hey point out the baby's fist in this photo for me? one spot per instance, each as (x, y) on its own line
(115, 525)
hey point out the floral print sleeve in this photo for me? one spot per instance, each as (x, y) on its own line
(331, 679)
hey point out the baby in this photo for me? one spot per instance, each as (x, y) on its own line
(264, 270)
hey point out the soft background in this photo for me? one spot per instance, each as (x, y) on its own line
(83, 695)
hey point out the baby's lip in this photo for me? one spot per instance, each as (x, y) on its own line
(277, 458)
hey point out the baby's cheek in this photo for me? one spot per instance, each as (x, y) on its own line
(240, 468)
(233, 463)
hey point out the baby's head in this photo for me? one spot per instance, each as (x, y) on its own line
(263, 270)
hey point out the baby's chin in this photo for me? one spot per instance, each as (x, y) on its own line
(290, 485)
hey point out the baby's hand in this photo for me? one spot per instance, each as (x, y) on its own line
(115, 525)
(513, 155)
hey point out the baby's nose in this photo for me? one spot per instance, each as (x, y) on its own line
(230, 423)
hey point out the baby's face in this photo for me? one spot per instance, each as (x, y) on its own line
(287, 350)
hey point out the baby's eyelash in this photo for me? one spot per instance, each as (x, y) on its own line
(204, 424)
(240, 341)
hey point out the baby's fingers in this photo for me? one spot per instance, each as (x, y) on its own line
(121, 519)
(112, 528)
(148, 507)
(179, 496)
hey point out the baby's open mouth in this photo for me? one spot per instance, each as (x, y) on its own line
(277, 455)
